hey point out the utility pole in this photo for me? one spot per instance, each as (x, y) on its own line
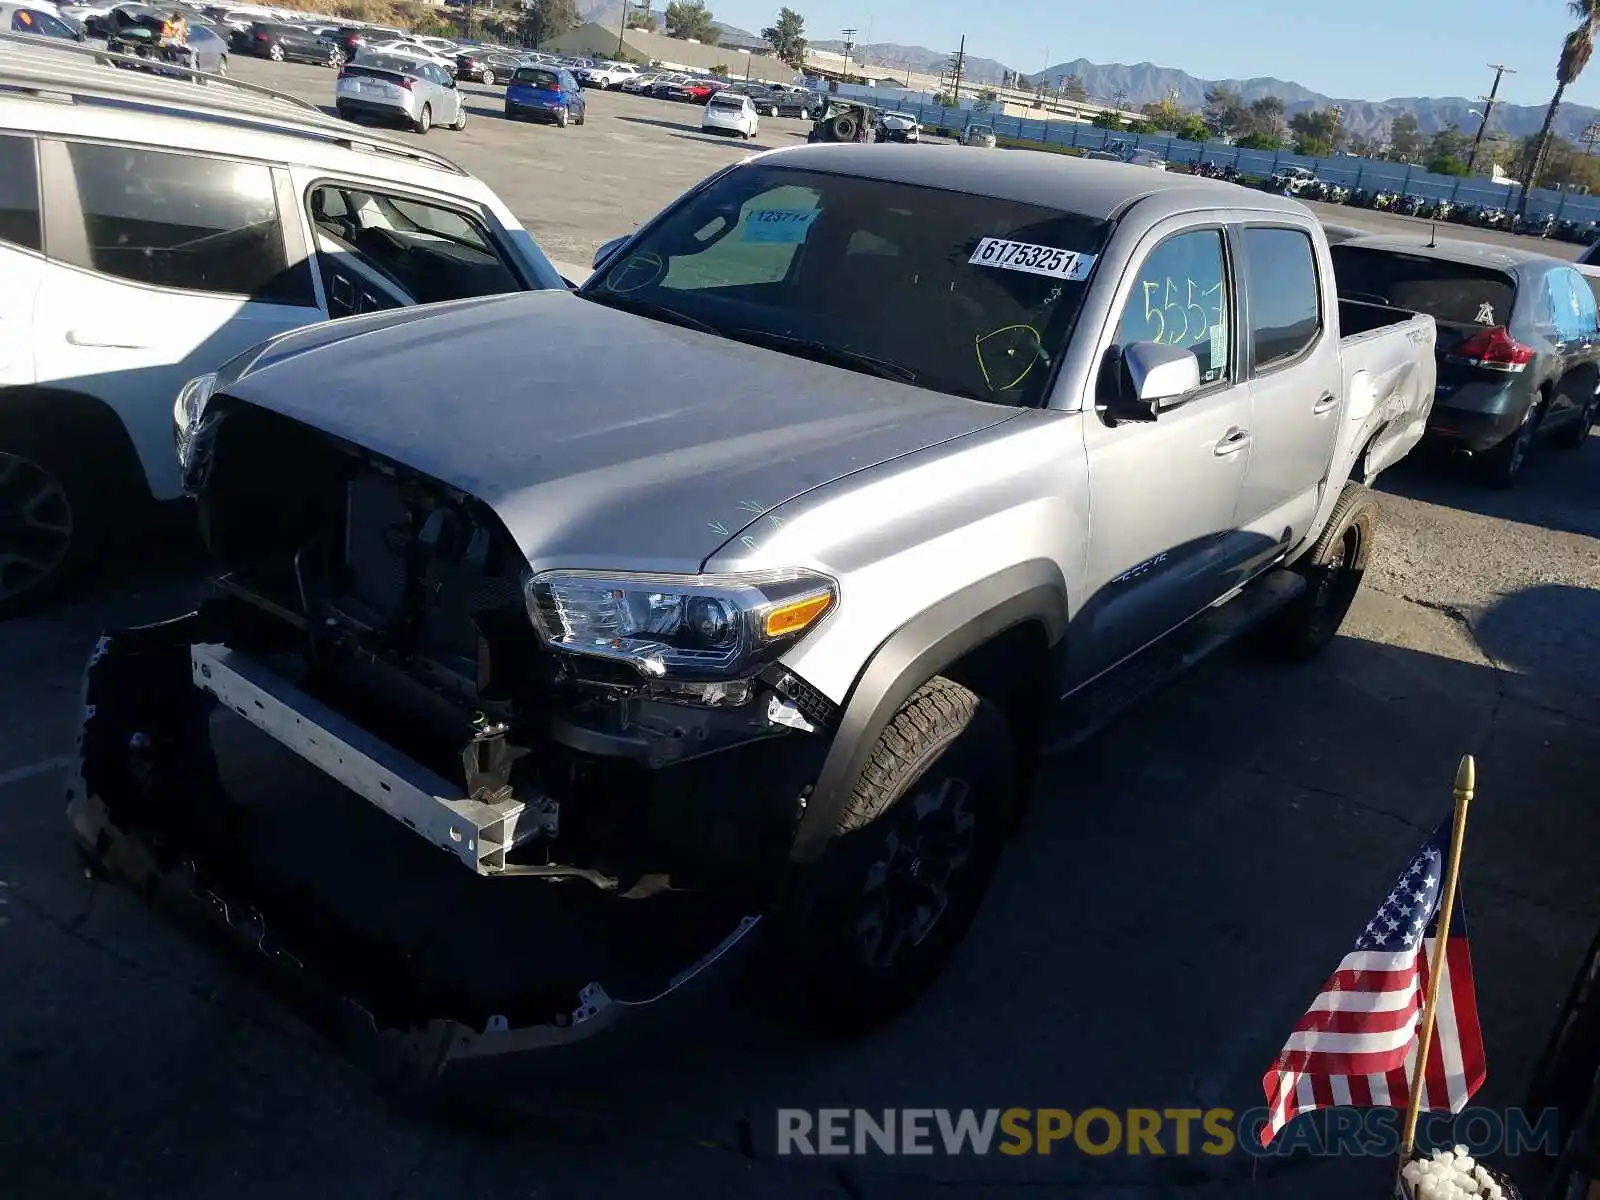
(622, 29)
(957, 65)
(849, 45)
(1488, 107)
(1591, 135)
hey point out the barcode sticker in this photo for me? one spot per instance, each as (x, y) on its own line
(1035, 260)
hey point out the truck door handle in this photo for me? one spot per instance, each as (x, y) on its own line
(1323, 405)
(1233, 441)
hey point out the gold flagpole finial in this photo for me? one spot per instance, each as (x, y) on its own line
(1466, 778)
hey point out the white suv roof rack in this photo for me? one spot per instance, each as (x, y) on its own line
(45, 72)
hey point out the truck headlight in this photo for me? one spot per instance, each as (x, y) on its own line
(187, 410)
(679, 627)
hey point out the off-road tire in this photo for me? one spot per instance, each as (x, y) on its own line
(1501, 466)
(843, 128)
(1575, 435)
(947, 753)
(85, 481)
(1332, 568)
(425, 119)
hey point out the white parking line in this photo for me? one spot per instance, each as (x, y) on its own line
(44, 767)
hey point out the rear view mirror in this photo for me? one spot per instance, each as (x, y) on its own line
(1153, 377)
(607, 250)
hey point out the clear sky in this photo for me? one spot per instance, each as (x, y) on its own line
(1352, 49)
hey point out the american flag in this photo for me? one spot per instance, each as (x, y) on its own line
(1357, 1043)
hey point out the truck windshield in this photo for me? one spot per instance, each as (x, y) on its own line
(958, 293)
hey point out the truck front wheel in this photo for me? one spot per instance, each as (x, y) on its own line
(1333, 568)
(868, 926)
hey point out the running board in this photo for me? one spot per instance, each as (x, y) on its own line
(1095, 706)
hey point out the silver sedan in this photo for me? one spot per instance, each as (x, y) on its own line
(389, 87)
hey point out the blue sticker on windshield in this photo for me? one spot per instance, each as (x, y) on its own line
(778, 226)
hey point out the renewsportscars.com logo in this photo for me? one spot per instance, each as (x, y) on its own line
(854, 1132)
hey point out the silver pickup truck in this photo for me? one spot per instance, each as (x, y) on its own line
(747, 582)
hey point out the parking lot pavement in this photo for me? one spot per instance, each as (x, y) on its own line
(577, 187)
(574, 188)
(1182, 886)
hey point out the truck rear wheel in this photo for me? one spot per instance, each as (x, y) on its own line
(1333, 568)
(865, 929)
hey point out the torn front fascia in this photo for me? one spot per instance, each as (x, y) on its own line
(139, 804)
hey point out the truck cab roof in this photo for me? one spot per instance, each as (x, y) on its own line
(1094, 189)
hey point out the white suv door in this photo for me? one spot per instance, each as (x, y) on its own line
(164, 265)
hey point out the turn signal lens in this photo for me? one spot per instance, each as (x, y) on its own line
(796, 615)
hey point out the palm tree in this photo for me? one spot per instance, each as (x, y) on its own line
(1575, 52)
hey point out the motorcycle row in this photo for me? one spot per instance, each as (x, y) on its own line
(1485, 216)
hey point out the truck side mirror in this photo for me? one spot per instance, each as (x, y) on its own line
(1151, 377)
(607, 250)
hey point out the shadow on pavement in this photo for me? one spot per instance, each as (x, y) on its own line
(1559, 489)
(1182, 886)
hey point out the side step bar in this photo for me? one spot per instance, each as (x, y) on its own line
(1096, 706)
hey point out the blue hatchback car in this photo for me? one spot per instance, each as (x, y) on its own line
(546, 94)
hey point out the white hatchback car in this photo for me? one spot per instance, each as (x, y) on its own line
(727, 112)
(186, 225)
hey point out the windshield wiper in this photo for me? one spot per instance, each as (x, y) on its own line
(823, 352)
(649, 308)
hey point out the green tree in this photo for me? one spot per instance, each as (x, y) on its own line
(1265, 117)
(546, 19)
(1167, 117)
(690, 20)
(787, 36)
(1107, 119)
(1406, 143)
(1022, 81)
(641, 18)
(1575, 52)
(985, 100)
(1316, 132)
(1448, 151)
(1072, 88)
(1260, 141)
(1226, 112)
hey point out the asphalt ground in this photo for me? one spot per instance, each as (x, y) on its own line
(1181, 888)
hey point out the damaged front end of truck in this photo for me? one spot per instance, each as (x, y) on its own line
(456, 807)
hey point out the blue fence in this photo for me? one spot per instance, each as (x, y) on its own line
(1347, 170)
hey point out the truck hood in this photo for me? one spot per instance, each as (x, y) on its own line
(599, 438)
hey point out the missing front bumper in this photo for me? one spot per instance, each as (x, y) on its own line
(147, 803)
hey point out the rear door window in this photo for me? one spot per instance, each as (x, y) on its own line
(182, 221)
(1571, 306)
(1280, 279)
(534, 77)
(1451, 293)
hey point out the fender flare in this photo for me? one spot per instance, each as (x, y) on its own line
(914, 653)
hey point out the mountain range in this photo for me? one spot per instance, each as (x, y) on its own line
(1144, 83)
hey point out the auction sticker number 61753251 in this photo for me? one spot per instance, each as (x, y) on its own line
(1035, 260)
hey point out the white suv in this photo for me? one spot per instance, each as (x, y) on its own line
(185, 225)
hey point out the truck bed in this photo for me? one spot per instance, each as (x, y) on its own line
(1389, 376)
